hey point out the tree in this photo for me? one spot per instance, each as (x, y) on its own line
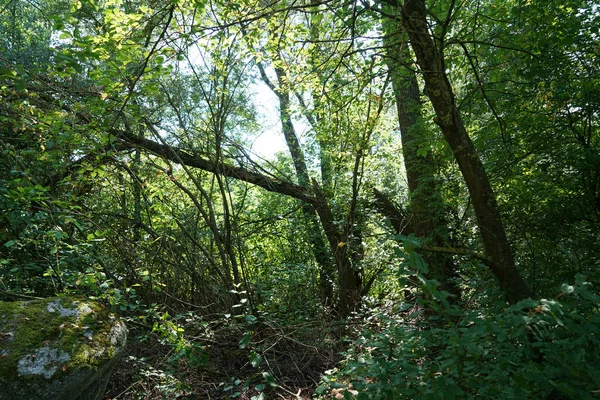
(430, 58)
(127, 175)
(427, 214)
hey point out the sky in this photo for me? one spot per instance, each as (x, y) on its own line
(271, 140)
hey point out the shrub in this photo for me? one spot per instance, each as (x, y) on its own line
(432, 350)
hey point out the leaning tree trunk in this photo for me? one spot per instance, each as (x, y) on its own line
(348, 280)
(431, 62)
(426, 206)
(314, 231)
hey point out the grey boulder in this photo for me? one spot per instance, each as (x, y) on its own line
(59, 348)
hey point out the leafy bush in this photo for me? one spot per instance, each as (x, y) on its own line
(41, 250)
(534, 349)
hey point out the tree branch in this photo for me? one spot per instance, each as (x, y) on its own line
(399, 221)
(456, 251)
(179, 156)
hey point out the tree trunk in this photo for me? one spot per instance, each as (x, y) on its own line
(319, 248)
(426, 206)
(349, 279)
(431, 62)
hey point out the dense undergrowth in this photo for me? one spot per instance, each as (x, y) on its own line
(130, 173)
(242, 356)
(422, 344)
(536, 349)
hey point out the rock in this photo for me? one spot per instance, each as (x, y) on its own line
(61, 348)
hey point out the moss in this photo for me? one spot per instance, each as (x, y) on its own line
(64, 325)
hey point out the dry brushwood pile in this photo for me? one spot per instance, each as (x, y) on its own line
(230, 361)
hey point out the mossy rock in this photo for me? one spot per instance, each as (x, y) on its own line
(58, 348)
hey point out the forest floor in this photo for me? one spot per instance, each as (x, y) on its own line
(281, 362)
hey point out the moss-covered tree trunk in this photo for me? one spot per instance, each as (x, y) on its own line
(318, 246)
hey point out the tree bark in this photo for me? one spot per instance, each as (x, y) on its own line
(426, 205)
(430, 59)
(349, 279)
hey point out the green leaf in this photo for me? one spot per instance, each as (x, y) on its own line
(245, 340)
(525, 304)
(255, 359)
(321, 390)
(270, 379)
(422, 152)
